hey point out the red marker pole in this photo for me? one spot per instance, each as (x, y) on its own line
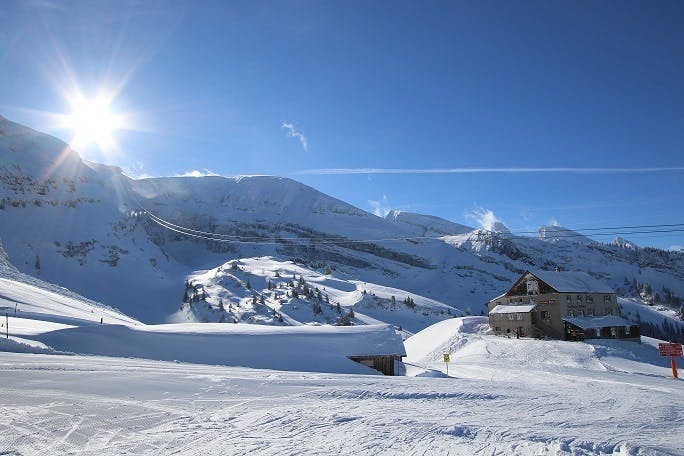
(674, 367)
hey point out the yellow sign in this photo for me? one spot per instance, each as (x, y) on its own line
(446, 357)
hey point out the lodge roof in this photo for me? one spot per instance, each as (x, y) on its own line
(607, 321)
(572, 282)
(512, 308)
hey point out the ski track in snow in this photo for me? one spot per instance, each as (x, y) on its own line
(88, 405)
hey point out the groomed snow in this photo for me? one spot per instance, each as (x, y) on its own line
(31, 301)
(298, 348)
(92, 405)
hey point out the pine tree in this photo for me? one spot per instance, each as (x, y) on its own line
(185, 295)
(37, 264)
(221, 308)
(351, 313)
(339, 308)
(262, 301)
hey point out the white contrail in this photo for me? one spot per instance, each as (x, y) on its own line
(343, 171)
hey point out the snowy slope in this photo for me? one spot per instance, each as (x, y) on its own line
(87, 405)
(32, 299)
(429, 225)
(555, 233)
(470, 343)
(265, 290)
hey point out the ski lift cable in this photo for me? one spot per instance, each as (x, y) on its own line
(609, 231)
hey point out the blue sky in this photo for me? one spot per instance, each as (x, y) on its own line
(284, 88)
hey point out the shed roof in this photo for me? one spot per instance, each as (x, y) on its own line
(512, 308)
(292, 348)
(572, 282)
(608, 321)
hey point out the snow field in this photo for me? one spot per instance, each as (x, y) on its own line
(89, 405)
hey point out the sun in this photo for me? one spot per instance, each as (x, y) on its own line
(92, 121)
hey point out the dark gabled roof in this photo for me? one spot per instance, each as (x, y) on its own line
(572, 282)
(564, 282)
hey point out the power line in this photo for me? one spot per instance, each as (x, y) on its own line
(217, 237)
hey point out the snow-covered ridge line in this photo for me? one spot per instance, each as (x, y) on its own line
(80, 225)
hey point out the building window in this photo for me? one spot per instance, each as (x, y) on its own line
(589, 298)
(580, 313)
(497, 328)
(570, 313)
(552, 302)
(613, 332)
(568, 298)
(606, 298)
(546, 315)
(519, 316)
(510, 316)
(579, 298)
(590, 312)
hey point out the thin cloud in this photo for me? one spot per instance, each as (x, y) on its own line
(485, 218)
(346, 171)
(380, 208)
(292, 132)
(136, 171)
(197, 173)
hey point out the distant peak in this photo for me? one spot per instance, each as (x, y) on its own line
(623, 243)
(499, 227)
(429, 224)
(560, 233)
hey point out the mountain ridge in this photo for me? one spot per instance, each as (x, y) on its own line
(127, 242)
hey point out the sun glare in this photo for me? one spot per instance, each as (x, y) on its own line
(93, 122)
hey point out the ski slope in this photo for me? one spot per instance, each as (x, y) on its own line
(56, 404)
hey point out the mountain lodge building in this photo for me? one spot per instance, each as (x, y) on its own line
(560, 305)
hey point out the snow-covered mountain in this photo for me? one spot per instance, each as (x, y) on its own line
(555, 233)
(429, 224)
(133, 244)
